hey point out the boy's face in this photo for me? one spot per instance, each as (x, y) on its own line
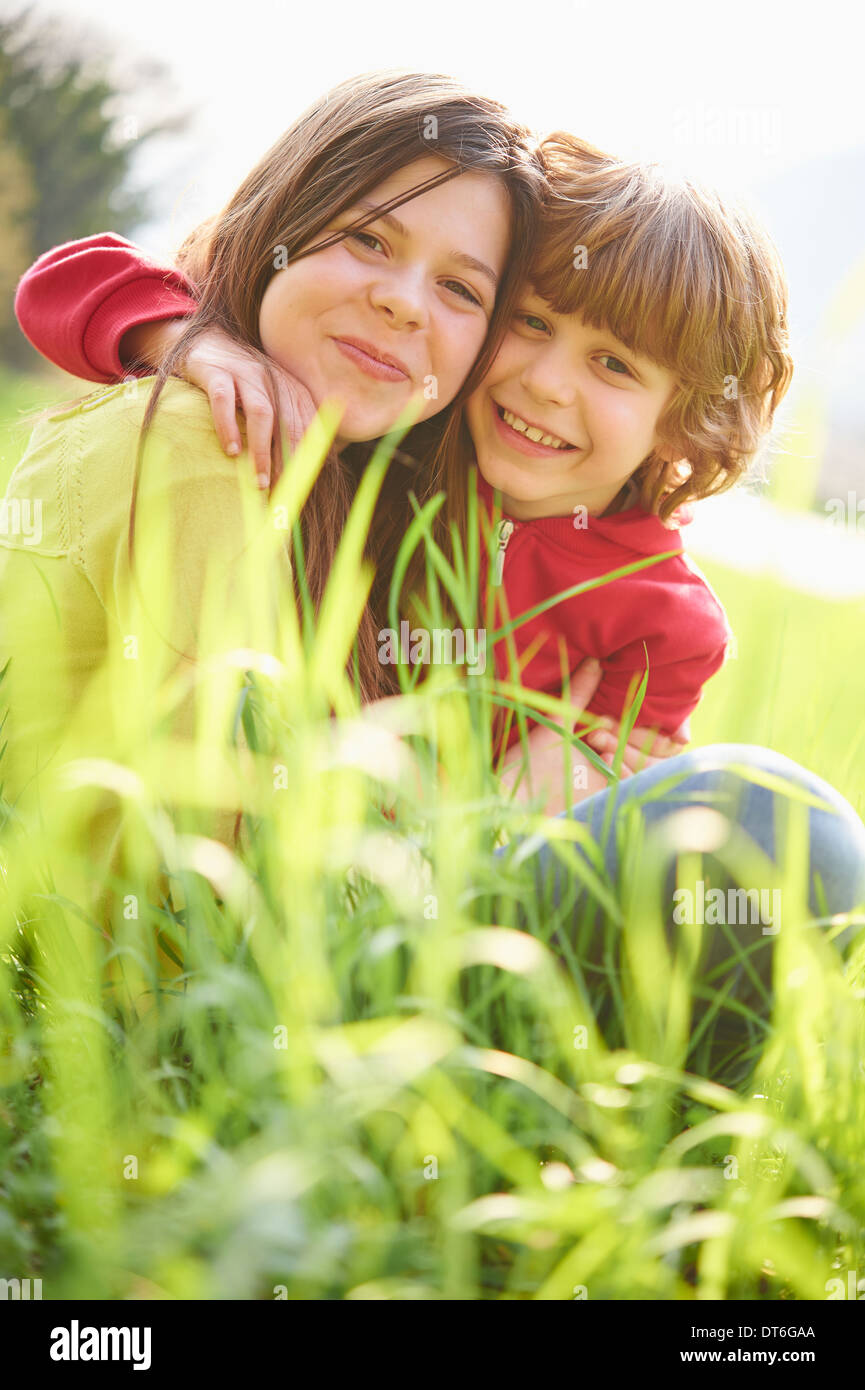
(580, 385)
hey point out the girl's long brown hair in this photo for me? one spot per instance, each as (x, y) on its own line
(351, 140)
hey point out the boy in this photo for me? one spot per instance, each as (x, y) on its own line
(641, 372)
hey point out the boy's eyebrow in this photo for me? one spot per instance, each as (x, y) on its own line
(461, 257)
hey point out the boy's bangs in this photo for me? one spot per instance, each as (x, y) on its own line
(655, 265)
(614, 296)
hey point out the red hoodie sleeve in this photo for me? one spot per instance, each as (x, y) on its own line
(77, 301)
(674, 686)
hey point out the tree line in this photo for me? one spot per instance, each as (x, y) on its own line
(73, 119)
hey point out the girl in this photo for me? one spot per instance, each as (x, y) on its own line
(293, 269)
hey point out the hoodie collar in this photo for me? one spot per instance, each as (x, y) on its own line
(633, 528)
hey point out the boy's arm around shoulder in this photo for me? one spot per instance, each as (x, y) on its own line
(77, 301)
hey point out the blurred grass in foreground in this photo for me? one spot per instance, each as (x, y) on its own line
(368, 1058)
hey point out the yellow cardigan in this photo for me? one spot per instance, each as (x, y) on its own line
(92, 643)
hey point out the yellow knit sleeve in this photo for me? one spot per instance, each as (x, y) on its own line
(118, 656)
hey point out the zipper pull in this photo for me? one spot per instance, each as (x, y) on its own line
(506, 530)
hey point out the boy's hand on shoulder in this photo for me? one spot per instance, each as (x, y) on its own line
(233, 377)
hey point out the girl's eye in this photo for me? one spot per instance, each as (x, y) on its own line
(620, 369)
(463, 291)
(365, 238)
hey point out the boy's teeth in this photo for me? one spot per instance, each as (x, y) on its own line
(532, 432)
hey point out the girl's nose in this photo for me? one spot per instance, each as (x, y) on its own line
(401, 297)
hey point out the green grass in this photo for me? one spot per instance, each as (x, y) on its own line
(795, 684)
(391, 1066)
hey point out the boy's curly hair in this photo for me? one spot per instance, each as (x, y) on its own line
(685, 278)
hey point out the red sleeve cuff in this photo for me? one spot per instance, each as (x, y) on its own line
(145, 300)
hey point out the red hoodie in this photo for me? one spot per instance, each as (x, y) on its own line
(669, 606)
(77, 301)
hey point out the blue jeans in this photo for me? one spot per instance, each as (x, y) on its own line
(705, 777)
(655, 816)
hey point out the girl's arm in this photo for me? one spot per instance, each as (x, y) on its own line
(546, 752)
(101, 309)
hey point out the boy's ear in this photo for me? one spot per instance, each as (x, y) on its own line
(671, 470)
(676, 472)
(664, 468)
(666, 453)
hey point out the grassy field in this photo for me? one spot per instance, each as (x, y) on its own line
(796, 683)
(366, 1057)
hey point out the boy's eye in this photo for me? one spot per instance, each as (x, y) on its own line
(462, 290)
(365, 238)
(534, 322)
(619, 368)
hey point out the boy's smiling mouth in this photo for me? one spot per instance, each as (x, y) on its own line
(527, 437)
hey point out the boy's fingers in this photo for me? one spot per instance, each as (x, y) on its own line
(658, 744)
(297, 411)
(583, 683)
(609, 759)
(259, 428)
(599, 738)
(220, 392)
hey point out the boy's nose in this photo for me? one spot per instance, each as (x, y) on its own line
(552, 381)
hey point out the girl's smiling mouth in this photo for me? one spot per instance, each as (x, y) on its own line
(527, 438)
(370, 360)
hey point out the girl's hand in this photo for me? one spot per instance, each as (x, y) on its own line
(546, 773)
(643, 749)
(233, 377)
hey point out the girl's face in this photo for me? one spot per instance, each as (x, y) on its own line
(565, 414)
(398, 310)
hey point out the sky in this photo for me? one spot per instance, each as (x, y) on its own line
(733, 92)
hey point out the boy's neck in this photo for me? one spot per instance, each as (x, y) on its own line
(597, 504)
